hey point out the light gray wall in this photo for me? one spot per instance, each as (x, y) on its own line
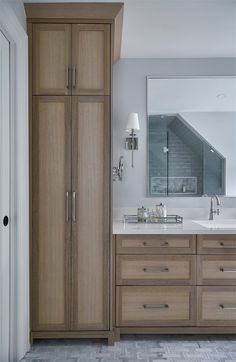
(129, 95)
(17, 7)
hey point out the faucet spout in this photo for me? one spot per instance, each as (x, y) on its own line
(212, 211)
(217, 200)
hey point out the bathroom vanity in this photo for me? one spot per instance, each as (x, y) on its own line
(174, 279)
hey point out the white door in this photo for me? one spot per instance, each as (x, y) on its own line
(4, 198)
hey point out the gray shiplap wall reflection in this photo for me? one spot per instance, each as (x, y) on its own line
(181, 161)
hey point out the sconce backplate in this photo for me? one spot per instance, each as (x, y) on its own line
(128, 143)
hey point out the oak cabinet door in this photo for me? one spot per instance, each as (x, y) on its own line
(90, 212)
(91, 59)
(51, 59)
(50, 222)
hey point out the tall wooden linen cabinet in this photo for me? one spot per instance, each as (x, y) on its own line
(71, 51)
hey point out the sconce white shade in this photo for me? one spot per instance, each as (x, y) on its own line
(133, 122)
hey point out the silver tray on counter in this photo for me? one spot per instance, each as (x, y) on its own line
(169, 219)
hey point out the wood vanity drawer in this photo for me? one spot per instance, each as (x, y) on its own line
(216, 244)
(216, 269)
(159, 244)
(155, 269)
(216, 306)
(154, 306)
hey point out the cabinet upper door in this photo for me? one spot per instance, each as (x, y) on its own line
(51, 181)
(90, 212)
(91, 59)
(51, 59)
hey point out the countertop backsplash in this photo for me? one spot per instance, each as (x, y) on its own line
(186, 213)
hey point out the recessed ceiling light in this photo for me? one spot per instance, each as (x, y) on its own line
(221, 96)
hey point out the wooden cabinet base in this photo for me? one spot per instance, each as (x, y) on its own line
(167, 292)
(109, 335)
(173, 330)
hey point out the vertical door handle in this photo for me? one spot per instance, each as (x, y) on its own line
(68, 78)
(73, 77)
(67, 206)
(74, 206)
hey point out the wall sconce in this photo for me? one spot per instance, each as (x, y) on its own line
(131, 142)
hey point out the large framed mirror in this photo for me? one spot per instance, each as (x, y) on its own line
(191, 136)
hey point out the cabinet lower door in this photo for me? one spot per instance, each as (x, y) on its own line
(90, 212)
(51, 179)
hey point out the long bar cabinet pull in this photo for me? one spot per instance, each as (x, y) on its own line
(74, 206)
(227, 270)
(228, 306)
(227, 244)
(164, 244)
(73, 77)
(155, 306)
(68, 78)
(158, 269)
(67, 206)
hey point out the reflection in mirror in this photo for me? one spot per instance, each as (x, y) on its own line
(191, 136)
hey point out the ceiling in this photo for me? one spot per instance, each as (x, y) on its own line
(176, 28)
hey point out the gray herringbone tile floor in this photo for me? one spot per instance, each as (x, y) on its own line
(137, 348)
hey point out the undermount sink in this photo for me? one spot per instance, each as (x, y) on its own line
(217, 224)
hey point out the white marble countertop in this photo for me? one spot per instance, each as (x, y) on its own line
(188, 227)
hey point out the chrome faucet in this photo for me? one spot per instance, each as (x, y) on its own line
(212, 211)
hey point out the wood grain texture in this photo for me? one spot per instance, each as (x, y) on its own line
(156, 244)
(86, 283)
(51, 232)
(210, 300)
(216, 244)
(111, 13)
(131, 301)
(92, 11)
(112, 277)
(117, 34)
(91, 59)
(177, 330)
(216, 269)
(91, 231)
(70, 334)
(51, 59)
(155, 270)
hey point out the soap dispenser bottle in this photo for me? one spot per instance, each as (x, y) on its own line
(161, 210)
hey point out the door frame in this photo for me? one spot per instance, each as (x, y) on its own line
(4, 196)
(19, 183)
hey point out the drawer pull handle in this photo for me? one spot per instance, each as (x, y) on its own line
(151, 269)
(228, 270)
(227, 306)
(229, 245)
(155, 306)
(164, 244)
